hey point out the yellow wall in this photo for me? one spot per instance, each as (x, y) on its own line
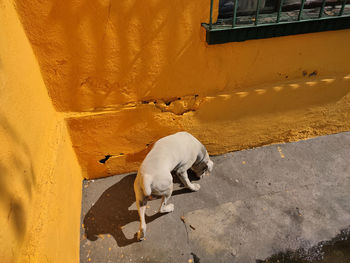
(106, 63)
(40, 180)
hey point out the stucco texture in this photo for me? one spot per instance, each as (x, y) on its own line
(40, 179)
(126, 73)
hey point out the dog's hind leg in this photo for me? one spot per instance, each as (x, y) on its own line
(141, 208)
(141, 203)
(164, 207)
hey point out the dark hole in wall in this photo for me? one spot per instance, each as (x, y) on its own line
(314, 73)
(105, 159)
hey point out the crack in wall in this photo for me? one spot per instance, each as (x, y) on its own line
(130, 155)
(180, 105)
(108, 156)
(177, 106)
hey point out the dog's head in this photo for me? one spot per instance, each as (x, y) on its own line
(205, 166)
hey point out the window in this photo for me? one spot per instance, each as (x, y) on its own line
(240, 20)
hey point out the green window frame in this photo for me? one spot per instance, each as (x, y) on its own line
(326, 16)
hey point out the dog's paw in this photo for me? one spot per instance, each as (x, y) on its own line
(195, 187)
(140, 235)
(167, 209)
(170, 208)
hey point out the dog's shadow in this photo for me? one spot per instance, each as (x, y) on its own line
(111, 212)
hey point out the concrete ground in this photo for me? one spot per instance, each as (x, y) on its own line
(255, 204)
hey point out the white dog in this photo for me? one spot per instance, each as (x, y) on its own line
(175, 153)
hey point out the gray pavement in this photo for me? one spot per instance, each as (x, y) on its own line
(256, 204)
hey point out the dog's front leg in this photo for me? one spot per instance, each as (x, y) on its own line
(164, 208)
(187, 183)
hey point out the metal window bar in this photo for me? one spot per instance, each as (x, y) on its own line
(279, 12)
(342, 8)
(257, 12)
(240, 31)
(301, 9)
(322, 8)
(234, 13)
(211, 14)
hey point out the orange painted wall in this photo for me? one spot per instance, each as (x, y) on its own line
(117, 68)
(40, 179)
(266, 114)
(104, 53)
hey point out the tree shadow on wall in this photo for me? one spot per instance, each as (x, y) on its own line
(16, 173)
(111, 212)
(118, 40)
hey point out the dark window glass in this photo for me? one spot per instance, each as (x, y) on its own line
(248, 7)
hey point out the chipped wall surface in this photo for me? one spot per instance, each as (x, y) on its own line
(290, 111)
(126, 74)
(40, 179)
